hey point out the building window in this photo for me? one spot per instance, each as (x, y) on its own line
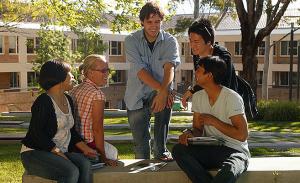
(14, 80)
(285, 47)
(283, 78)
(261, 49)
(107, 105)
(259, 77)
(238, 48)
(13, 44)
(32, 79)
(182, 49)
(1, 44)
(30, 45)
(118, 76)
(74, 45)
(115, 48)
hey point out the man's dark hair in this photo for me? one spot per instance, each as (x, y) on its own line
(214, 65)
(150, 8)
(204, 28)
(52, 73)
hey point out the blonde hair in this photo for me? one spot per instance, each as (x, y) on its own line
(89, 63)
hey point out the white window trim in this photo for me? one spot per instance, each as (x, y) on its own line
(3, 46)
(17, 51)
(298, 44)
(110, 48)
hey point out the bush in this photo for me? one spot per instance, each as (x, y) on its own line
(272, 110)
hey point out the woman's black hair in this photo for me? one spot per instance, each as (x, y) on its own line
(52, 73)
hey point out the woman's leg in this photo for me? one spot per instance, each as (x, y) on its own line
(50, 166)
(83, 165)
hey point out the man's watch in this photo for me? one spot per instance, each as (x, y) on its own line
(187, 130)
(191, 89)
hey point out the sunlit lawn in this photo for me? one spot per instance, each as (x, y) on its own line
(11, 168)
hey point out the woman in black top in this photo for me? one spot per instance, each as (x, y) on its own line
(45, 150)
(201, 35)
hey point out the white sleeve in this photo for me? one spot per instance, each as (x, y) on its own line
(235, 105)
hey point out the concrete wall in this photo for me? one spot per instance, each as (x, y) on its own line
(17, 101)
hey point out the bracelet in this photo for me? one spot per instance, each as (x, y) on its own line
(191, 89)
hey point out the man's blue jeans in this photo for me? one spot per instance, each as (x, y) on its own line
(48, 165)
(139, 121)
(196, 160)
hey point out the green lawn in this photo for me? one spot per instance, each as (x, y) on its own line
(11, 168)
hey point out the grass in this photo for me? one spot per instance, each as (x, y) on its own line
(11, 168)
(275, 126)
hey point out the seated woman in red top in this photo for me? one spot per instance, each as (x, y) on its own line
(89, 103)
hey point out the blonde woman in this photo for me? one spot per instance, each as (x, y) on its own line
(89, 104)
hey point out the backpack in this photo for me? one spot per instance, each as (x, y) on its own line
(246, 92)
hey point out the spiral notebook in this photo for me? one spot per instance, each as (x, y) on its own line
(205, 141)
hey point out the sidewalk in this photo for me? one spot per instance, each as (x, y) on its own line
(256, 139)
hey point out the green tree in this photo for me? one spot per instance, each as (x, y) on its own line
(249, 15)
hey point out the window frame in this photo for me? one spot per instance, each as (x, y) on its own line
(119, 52)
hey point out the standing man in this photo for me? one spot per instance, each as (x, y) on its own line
(218, 112)
(153, 55)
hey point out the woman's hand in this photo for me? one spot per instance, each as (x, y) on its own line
(185, 98)
(110, 162)
(90, 152)
(57, 152)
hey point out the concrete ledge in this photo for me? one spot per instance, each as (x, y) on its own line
(261, 170)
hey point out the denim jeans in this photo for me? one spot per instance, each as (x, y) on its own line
(139, 121)
(196, 160)
(48, 165)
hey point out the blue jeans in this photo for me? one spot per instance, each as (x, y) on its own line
(196, 160)
(139, 121)
(50, 166)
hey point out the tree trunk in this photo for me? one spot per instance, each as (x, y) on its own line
(196, 9)
(249, 58)
(266, 69)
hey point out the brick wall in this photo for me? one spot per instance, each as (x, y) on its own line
(16, 101)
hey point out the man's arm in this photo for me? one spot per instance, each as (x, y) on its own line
(160, 100)
(238, 130)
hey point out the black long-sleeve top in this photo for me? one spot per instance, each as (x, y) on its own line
(43, 125)
(230, 80)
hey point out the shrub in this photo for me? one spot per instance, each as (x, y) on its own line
(272, 110)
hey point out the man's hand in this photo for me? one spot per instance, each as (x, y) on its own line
(183, 138)
(208, 119)
(160, 101)
(185, 98)
(170, 100)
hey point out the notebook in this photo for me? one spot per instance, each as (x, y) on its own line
(205, 141)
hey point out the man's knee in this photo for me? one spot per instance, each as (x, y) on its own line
(178, 150)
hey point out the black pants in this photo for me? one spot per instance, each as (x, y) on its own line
(196, 160)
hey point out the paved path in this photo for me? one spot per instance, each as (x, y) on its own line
(256, 139)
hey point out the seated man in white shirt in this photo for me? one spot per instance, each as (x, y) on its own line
(218, 112)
